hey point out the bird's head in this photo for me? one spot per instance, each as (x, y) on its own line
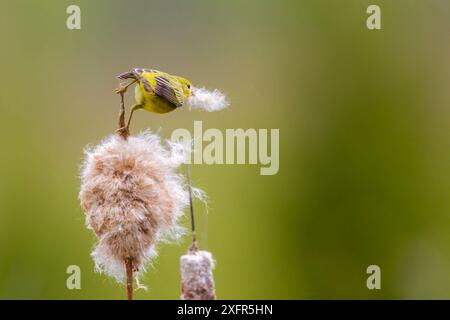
(187, 87)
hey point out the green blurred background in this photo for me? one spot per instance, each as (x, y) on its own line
(364, 128)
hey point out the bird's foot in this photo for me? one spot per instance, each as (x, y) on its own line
(121, 90)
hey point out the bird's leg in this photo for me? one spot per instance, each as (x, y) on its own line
(123, 89)
(133, 109)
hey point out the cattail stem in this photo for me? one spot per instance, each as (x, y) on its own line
(123, 130)
(129, 268)
(124, 133)
(191, 206)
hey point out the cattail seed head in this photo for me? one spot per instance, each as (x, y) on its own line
(197, 280)
(133, 198)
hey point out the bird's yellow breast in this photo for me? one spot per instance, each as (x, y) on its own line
(151, 101)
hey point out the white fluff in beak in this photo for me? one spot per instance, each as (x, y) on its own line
(208, 100)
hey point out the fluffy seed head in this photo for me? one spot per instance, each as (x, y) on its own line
(207, 100)
(196, 276)
(133, 198)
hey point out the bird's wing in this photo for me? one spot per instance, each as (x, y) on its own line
(169, 89)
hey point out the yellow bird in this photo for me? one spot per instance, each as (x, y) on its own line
(156, 91)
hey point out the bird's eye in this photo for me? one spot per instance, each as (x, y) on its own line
(189, 86)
